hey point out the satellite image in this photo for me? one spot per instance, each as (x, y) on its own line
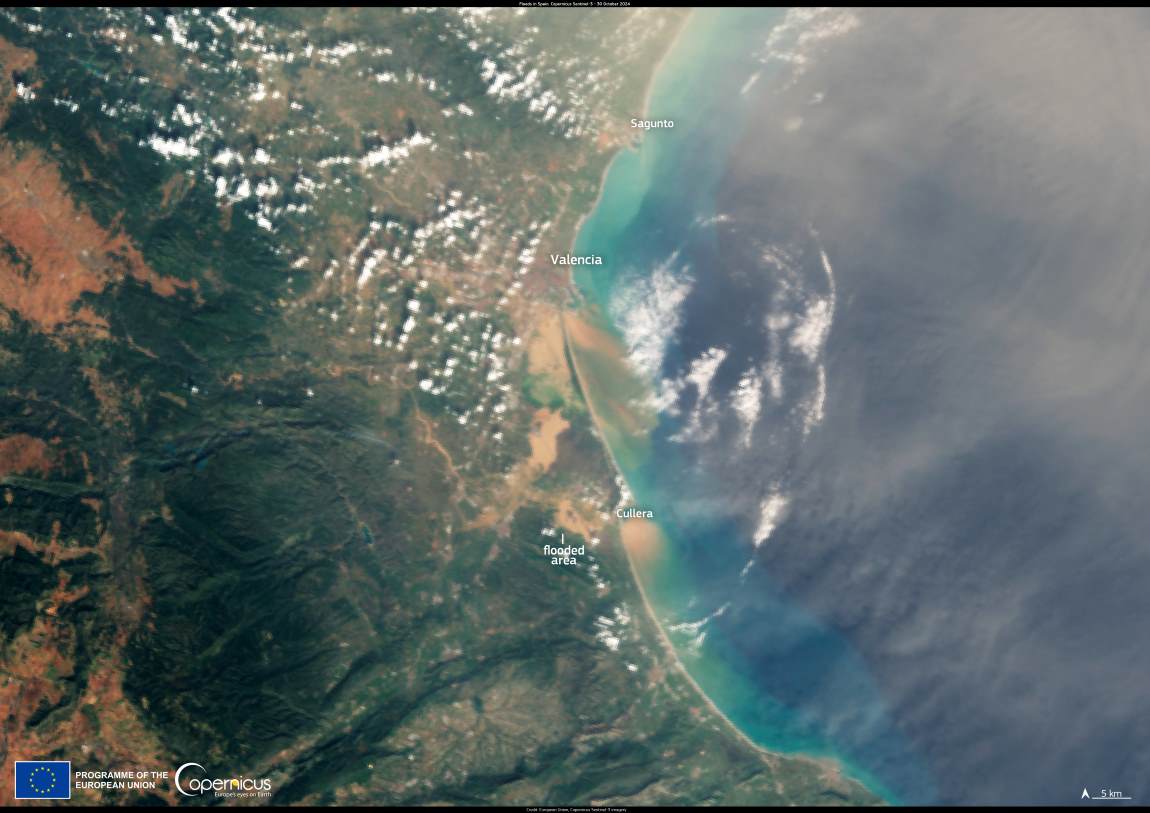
(571, 405)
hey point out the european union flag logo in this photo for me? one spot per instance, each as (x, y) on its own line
(43, 780)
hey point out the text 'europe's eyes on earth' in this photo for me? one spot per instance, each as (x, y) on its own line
(565, 405)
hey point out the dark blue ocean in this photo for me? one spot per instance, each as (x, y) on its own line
(889, 281)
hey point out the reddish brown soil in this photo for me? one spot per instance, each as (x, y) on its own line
(21, 454)
(64, 253)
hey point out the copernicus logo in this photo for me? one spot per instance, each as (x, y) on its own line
(43, 780)
(192, 780)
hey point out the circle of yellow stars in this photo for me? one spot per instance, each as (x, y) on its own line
(39, 769)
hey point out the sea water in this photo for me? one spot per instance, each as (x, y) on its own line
(657, 228)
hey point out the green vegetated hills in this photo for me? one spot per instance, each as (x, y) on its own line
(235, 527)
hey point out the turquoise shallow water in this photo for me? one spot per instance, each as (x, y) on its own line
(694, 87)
(889, 302)
(657, 203)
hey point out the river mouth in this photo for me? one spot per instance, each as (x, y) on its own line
(658, 229)
(877, 318)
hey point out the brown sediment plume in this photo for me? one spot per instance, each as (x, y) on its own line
(616, 397)
(599, 362)
(642, 540)
(587, 336)
(54, 252)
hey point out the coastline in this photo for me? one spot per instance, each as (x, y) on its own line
(646, 107)
(584, 309)
(827, 763)
(581, 382)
